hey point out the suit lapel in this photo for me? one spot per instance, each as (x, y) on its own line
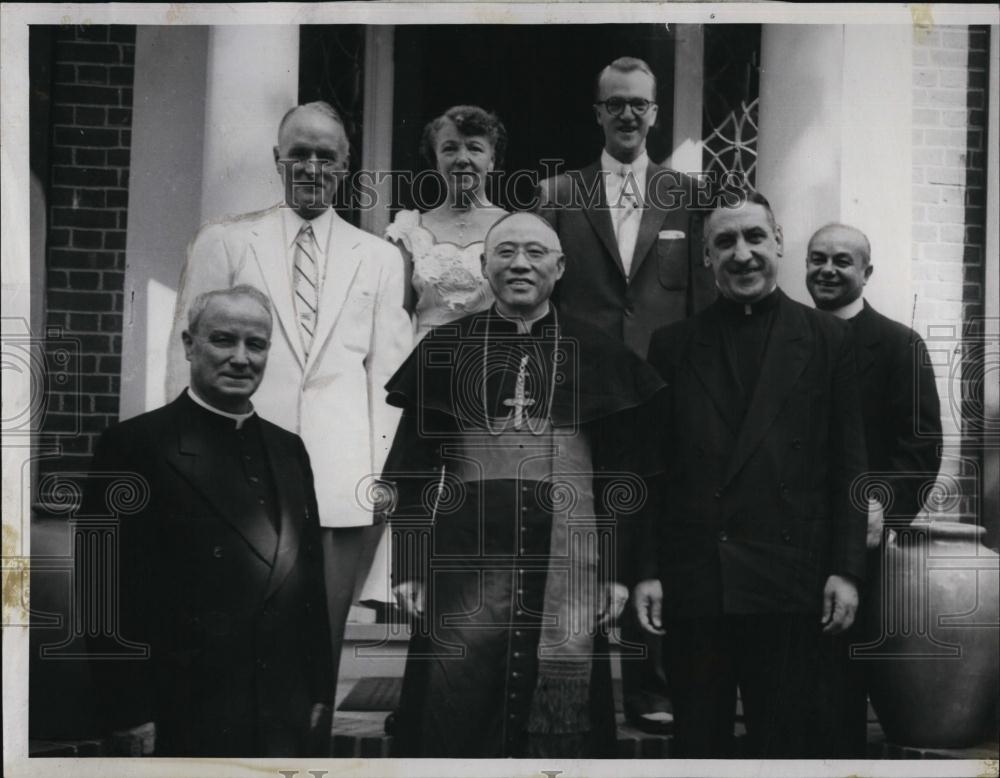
(343, 259)
(710, 368)
(269, 247)
(199, 461)
(600, 216)
(785, 358)
(652, 219)
(286, 477)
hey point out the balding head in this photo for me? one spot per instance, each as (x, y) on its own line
(838, 265)
(522, 260)
(519, 221)
(311, 156)
(847, 234)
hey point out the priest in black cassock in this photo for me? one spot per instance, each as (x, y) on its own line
(517, 480)
(755, 563)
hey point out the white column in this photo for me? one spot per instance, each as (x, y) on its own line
(252, 80)
(376, 155)
(207, 105)
(834, 145)
(168, 121)
(876, 157)
(689, 83)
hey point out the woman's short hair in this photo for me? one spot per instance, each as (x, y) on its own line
(468, 120)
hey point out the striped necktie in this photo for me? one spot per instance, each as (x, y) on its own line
(306, 283)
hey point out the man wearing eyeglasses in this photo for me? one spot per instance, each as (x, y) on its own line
(633, 265)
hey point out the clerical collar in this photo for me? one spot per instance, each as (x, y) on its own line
(525, 326)
(638, 165)
(850, 310)
(740, 308)
(239, 418)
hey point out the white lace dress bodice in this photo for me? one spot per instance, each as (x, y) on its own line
(447, 278)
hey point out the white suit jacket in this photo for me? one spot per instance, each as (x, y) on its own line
(335, 398)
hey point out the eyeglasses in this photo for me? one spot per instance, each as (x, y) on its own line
(535, 252)
(616, 105)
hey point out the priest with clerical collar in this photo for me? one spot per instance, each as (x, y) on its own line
(517, 473)
(754, 568)
(220, 645)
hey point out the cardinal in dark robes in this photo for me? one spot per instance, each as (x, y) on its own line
(517, 489)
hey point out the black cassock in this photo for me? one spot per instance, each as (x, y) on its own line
(514, 448)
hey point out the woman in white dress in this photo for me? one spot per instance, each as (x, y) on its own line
(442, 246)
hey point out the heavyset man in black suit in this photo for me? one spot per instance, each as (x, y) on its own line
(902, 415)
(221, 572)
(633, 245)
(760, 549)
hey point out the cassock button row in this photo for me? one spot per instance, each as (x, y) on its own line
(518, 655)
(723, 537)
(515, 674)
(517, 633)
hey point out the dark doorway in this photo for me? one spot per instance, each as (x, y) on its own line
(538, 78)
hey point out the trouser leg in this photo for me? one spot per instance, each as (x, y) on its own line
(644, 682)
(346, 553)
(792, 685)
(702, 676)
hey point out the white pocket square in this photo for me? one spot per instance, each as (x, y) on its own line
(671, 235)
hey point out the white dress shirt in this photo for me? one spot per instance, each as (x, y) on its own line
(625, 190)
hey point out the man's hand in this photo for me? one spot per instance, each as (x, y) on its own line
(647, 599)
(613, 603)
(876, 515)
(320, 725)
(137, 741)
(840, 604)
(410, 598)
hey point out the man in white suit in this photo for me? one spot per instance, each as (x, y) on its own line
(340, 333)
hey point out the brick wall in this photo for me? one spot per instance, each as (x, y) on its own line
(949, 163)
(91, 119)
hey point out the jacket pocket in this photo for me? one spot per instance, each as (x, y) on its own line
(671, 258)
